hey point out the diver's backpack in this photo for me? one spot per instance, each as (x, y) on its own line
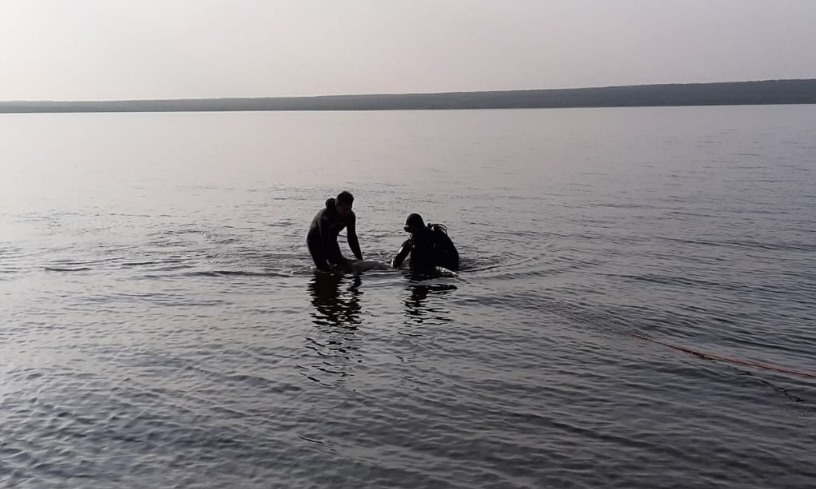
(445, 252)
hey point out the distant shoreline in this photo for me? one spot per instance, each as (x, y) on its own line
(768, 92)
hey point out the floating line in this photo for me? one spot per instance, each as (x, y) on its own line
(737, 361)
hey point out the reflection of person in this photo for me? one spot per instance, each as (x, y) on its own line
(429, 246)
(331, 347)
(331, 309)
(326, 226)
(417, 308)
(415, 305)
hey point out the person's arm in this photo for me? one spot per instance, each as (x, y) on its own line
(351, 236)
(401, 254)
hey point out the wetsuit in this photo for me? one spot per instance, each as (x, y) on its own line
(322, 238)
(428, 248)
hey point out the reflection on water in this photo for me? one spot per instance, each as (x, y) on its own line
(417, 307)
(333, 306)
(336, 301)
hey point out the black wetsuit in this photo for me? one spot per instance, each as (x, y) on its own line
(428, 248)
(322, 238)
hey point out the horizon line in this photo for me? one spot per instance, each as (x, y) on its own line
(324, 96)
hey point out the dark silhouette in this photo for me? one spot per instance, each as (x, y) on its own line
(330, 350)
(429, 246)
(326, 226)
(417, 308)
(333, 307)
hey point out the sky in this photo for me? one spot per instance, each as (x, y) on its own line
(159, 49)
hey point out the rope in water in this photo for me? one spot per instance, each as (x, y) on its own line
(737, 361)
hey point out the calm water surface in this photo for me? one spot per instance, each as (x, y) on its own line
(162, 326)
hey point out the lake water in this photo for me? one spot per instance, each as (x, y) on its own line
(162, 325)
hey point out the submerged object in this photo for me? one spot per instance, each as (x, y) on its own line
(360, 266)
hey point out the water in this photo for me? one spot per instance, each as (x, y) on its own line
(162, 326)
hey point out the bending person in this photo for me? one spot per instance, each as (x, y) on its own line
(429, 246)
(326, 226)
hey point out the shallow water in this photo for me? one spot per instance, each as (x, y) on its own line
(163, 327)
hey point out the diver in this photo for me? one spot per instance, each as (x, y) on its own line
(429, 246)
(326, 226)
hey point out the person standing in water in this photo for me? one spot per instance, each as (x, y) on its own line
(326, 226)
(429, 246)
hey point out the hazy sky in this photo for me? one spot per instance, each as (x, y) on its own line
(132, 49)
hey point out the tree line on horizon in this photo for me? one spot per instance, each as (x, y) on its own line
(721, 93)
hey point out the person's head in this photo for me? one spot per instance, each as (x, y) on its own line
(344, 202)
(414, 224)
